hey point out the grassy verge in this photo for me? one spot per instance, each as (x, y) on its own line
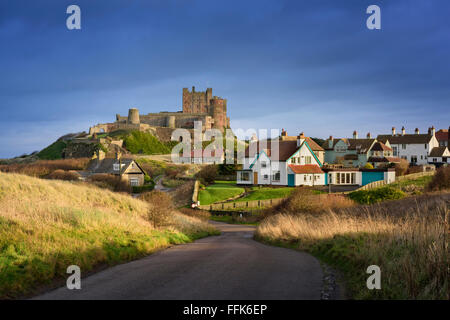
(406, 238)
(219, 191)
(47, 225)
(264, 193)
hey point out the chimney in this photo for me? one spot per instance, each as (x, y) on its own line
(369, 136)
(355, 135)
(393, 131)
(283, 134)
(433, 131)
(300, 139)
(403, 131)
(417, 131)
(448, 138)
(330, 142)
(193, 89)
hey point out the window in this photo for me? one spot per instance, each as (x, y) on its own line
(293, 160)
(434, 160)
(348, 178)
(330, 176)
(353, 178)
(263, 165)
(403, 146)
(338, 178)
(413, 159)
(425, 145)
(308, 160)
(245, 176)
(304, 177)
(276, 176)
(134, 182)
(394, 149)
(116, 167)
(266, 176)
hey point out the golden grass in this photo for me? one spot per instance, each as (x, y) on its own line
(47, 225)
(407, 238)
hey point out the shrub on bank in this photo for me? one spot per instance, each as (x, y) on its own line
(376, 195)
(64, 175)
(441, 180)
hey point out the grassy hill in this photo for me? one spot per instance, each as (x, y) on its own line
(48, 225)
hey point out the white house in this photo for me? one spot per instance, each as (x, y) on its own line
(285, 162)
(415, 148)
(439, 156)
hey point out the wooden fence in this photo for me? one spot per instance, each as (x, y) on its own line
(380, 183)
(241, 204)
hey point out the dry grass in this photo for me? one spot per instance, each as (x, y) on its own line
(42, 168)
(407, 238)
(64, 175)
(47, 225)
(305, 200)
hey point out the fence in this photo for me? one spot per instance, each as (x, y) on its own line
(380, 183)
(241, 204)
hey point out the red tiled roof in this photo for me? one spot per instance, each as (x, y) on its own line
(307, 168)
(442, 135)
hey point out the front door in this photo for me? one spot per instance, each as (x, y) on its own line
(255, 177)
(291, 180)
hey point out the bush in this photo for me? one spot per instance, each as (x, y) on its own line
(161, 209)
(207, 175)
(43, 168)
(441, 180)
(144, 188)
(303, 200)
(64, 175)
(111, 181)
(376, 195)
(401, 168)
(368, 166)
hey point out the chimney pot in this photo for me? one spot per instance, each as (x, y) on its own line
(417, 131)
(403, 131)
(355, 134)
(369, 136)
(393, 131)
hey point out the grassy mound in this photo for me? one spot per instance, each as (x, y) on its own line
(376, 195)
(53, 151)
(145, 143)
(48, 225)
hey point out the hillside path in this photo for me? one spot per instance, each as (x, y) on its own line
(229, 266)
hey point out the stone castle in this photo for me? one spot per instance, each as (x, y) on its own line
(210, 110)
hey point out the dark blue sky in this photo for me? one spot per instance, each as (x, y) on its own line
(309, 66)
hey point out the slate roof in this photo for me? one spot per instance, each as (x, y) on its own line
(384, 159)
(380, 146)
(405, 139)
(307, 168)
(107, 165)
(361, 145)
(438, 152)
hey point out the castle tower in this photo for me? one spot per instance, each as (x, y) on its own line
(218, 111)
(196, 102)
(133, 116)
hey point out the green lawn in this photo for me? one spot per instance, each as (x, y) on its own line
(263, 193)
(219, 191)
(421, 182)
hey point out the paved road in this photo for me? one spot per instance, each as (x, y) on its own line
(229, 266)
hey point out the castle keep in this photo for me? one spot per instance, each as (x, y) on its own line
(210, 110)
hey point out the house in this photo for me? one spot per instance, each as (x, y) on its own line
(381, 155)
(293, 163)
(415, 148)
(318, 150)
(443, 137)
(281, 162)
(439, 156)
(128, 169)
(353, 152)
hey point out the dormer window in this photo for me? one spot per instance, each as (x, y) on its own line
(116, 167)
